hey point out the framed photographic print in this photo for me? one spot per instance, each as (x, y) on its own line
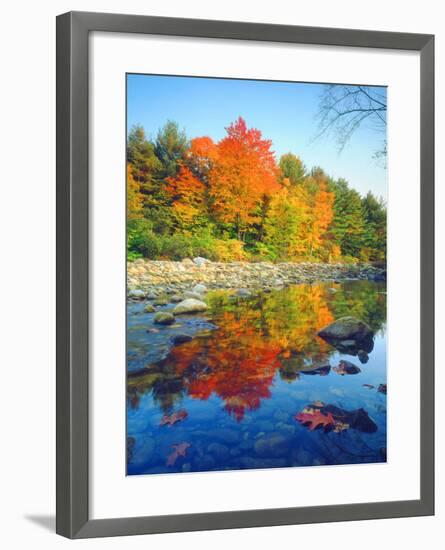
(245, 263)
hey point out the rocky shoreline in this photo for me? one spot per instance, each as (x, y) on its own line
(154, 278)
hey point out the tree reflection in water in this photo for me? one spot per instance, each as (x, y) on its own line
(256, 339)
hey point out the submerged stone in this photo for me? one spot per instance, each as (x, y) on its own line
(219, 451)
(181, 339)
(271, 445)
(164, 318)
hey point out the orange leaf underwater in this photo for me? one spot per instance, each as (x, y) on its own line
(179, 449)
(314, 418)
(171, 419)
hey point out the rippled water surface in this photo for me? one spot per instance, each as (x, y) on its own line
(228, 398)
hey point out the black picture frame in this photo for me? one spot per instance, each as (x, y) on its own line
(73, 288)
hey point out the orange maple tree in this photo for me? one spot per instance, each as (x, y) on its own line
(201, 156)
(246, 173)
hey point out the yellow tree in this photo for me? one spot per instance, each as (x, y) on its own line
(135, 199)
(322, 213)
(286, 222)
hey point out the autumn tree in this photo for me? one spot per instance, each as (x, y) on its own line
(187, 193)
(322, 214)
(244, 175)
(135, 199)
(292, 168)
(201, 157)
(229, 200)
(285, 223)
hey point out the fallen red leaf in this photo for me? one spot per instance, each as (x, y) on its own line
(179, 449)
(313, 418)
(171, 419)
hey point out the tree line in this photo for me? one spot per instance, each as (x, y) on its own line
(231, 200)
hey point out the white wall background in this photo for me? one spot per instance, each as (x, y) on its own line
(27, 218)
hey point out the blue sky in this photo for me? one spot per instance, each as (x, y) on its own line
(284, 112)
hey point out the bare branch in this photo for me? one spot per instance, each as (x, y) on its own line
(344, 108)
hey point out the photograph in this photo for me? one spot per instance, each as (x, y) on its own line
(256, 274)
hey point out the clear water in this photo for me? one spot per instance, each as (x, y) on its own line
(251, 366)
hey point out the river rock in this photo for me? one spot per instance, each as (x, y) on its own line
(243, 293)
(199, 289)
(287, 429)
(181, 339)
(161, 301)
(199, 261)
(219, 451)
(176, 298)
(189, 305)
(136, 294)
(226, 435)
(265, 426)
(164, 318)
(271, 445)
(192, 295)
(204, 463)
(346, 367)
(346, 328)
(149, 309)
(144, 453)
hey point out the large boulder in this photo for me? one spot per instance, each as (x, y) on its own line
(190, 305)
(346, 328)
(192, 295)
(349, 335)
